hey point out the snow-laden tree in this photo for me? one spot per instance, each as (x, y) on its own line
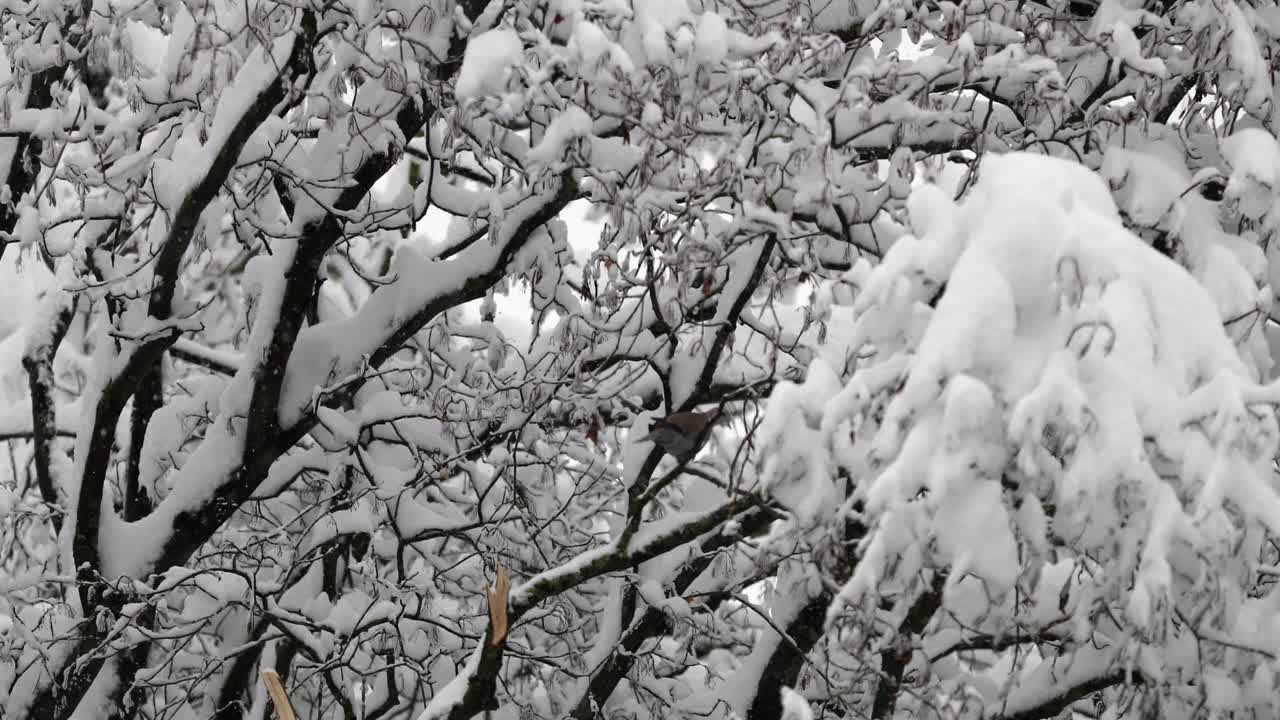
(331, 323)
(1065, 463)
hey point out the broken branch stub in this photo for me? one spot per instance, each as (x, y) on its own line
(498, 607)
(279, 697)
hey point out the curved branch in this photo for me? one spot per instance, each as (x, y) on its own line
(38, 362)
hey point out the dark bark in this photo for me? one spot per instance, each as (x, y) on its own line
(267, 440)
(128, 663)
(38, 363)
(60, 698)
(232, 701)
(1055, 704)
(788, 659)
(25, 162)
(653, 622)
(481, 686)
(803, 634)
(895, 658)
(148, 398)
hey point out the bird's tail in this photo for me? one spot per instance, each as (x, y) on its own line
(654, 425)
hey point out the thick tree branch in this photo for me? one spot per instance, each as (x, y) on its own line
(479, 679)
(896, 656)
(24, 162)
(212, 360)
(141, 363)
(186, 217)
(655, 621)
(38, 362)
(784, 666)
(266, 440)
(185, 220)
(1054, 700)
(727, 321)
(146, 400)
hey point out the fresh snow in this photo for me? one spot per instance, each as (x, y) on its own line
(997, 363)
(489, 58)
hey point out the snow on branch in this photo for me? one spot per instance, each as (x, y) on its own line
(335, 328)
(1070, 382)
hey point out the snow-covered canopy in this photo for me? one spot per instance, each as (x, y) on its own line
(337, 331)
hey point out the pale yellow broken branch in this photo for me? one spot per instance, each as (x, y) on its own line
(279, 698)
(498, 607)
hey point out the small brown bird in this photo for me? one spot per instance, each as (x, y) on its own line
(681, 434)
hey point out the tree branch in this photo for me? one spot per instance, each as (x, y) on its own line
(38, 362)
(895, 657)
(479, 678)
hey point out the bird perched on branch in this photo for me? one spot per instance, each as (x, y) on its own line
(681, 434)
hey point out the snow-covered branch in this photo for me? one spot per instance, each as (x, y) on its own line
(328, 318)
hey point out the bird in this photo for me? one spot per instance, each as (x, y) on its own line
(681, 434)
